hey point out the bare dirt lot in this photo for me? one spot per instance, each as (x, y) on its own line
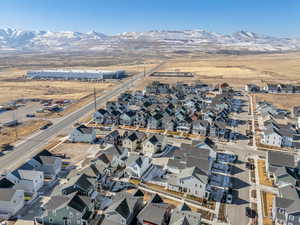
(76, 152)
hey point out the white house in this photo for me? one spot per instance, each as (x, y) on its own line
(192, 181)
(137, 165)
(11, 201)
(153, 144)
(271, 137)
(27, 179)
(83, 134)
(47, 163)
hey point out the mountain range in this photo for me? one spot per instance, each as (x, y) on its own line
(13, 40)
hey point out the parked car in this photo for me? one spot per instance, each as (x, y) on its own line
(30, 115)
(250, 213)
(7, 147)
(229, 198)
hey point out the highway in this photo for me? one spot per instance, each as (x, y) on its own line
(33, 145)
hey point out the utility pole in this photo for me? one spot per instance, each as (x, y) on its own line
(16, 125)
(95, 104)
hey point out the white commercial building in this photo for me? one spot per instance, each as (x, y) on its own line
(75, 74)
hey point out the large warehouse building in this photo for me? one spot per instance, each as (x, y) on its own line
(75, 74)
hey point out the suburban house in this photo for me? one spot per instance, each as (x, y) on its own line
(113, 138)
(11, 201)
(296, 111)
(156, 212)
(137, 165)
(113, 156)
(67, 209)
(272, 88)
(81, 184)
(133, 140)
(188, 156)
(192, 181)
(102, 116)
(46, 162)
(183, 215)
(153, 144)
(281, 167)
(128, 118)
(200, 127)
(278, 135)
(252, 88)
(83, 133)
(124, 208)
(155, 121)
(286, 207)
(27, 179)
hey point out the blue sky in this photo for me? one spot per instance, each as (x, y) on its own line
(273, 17)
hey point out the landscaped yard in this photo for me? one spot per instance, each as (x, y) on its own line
(263, 179)
(267, 201)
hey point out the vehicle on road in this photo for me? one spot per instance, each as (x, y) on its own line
(6, 147)
(46, 126)
(30, 115)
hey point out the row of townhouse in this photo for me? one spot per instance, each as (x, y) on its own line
(197, 115)
(278, 135)
(127, 208)
(161, 88)
(76, 200)
(191, 162)
(266, 109)
(25, 182)
(283, 169)
(273, 88)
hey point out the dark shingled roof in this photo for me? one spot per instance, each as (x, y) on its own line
(277, 158)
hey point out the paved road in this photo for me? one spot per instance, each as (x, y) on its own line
(31, 146)
(241, 183)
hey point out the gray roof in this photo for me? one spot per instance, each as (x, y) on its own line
(135, 158)
(121, 207)
(154, 212)
(85, 130)
(194, 172)
(74, 201)
(5, 183)
(6, 194)
(184, 216)
(288, 200)
(277, 158)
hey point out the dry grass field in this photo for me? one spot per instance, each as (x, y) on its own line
(8, 134)
(239, 70)
(283, 101)
(12, 90)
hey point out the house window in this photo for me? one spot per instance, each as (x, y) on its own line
(291, 218)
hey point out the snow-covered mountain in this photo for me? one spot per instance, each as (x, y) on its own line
(164, 41)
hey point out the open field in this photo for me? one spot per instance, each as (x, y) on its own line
(73, 90)
(283, 101)
(239, 70)
(8, 134)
